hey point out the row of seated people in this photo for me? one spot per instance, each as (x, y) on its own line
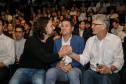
(77, 44)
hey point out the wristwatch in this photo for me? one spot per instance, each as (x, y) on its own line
(111, 71)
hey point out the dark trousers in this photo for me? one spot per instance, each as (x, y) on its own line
(91, 77)
(4, 74)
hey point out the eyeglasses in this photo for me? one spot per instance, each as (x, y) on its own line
(93, 24)
(18, 31)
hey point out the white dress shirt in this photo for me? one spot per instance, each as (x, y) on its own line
(116, 31)
(7, 50)
(19, 47)
(67, 59)
(122, 34)
(94, 8)
(73, 13)
(98, 4)
(81, 32)
(8, 18)
(112, 16)
(107, 52)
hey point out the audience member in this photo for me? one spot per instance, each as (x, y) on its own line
(19, 41)
(8, 16)
(99, 3)
(122, 33)
(10, 31)
(92, 6)
(28, 31)
(117, 27)
(112, 14)
(7, 54)
(101, 9)
(110, 7)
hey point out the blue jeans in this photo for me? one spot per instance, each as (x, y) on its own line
(92, 77)
(26, 75)
(55, 74)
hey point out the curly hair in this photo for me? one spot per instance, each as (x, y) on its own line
(39, 27)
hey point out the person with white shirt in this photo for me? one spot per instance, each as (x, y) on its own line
(122, 33)
(8, 16)
(98, 4)
(103, 48)
(92, 7)
(66, 69)
(73, 12)
(19, 41)
(7, 53)
(112, 14)
(117, 27)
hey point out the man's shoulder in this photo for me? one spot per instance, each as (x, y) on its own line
(7, 38)
(113, 36)
(31, 39)
(77, 37)
(58, 39)
(121, 27)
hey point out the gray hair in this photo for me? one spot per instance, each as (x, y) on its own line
(102, 18)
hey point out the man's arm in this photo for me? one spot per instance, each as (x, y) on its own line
(10, 54)
(83, 58)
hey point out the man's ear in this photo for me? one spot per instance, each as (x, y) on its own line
(23, 33)
(3, 27)
(72, 28)
(104, 26)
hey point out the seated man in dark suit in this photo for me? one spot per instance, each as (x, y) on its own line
(82, 31)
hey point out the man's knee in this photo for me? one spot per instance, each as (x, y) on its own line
(74, 73)
(51, 73)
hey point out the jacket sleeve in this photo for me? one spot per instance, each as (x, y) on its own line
(81, 46)
(37, 50)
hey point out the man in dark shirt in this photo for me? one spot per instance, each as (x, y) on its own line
(37, 53)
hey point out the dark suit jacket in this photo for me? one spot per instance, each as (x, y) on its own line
(77, 44)
(86, 34)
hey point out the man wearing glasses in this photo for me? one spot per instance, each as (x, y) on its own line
(105, 53)
(19, 41)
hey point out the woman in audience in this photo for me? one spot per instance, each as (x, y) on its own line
(11, 32)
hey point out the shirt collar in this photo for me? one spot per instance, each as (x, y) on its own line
(1, 36)
(20, 40)
(106, 38)
(68, 40)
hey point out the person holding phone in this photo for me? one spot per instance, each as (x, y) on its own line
(103, 48)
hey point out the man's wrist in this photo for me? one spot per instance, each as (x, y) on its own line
(111, 71)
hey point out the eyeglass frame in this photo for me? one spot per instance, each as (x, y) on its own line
(95, 24)
(18, 31)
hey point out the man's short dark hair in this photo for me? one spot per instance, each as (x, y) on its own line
(19, 26)
(39, 27)
(28, 23)
(115, 21)
(81, 21)
(69, 20)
